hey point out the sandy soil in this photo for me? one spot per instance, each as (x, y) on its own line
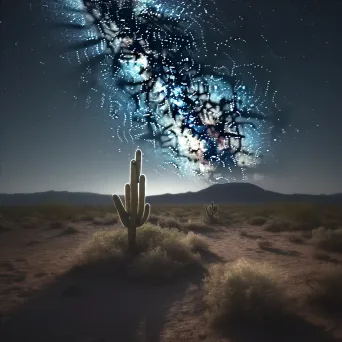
(43, 300)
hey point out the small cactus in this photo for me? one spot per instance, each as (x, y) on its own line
(135, 213)
(210, 210)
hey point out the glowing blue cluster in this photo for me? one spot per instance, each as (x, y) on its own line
(203, 118)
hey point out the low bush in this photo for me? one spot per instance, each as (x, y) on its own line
(246, 291)
(258, 221)
(296, 237)
(165, 221)
(106, 220)
(280, 225)
(264, 244)
(326, 288)
(196, 226)
(243, 232)
(327, 239)
(161, 253)
(69, 230)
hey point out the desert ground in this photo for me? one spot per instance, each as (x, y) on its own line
(48, 294)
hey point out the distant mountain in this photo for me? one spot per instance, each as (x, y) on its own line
(55, 197)
(220, 193)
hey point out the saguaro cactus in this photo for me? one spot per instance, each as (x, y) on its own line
(210, 210)
(135, 212)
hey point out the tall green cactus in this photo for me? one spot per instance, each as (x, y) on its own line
(210, 210)
(135, 213)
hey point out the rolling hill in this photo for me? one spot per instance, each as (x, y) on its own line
(220, 193)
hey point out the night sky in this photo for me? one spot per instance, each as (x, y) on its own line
(51, 140)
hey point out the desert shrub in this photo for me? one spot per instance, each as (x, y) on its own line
(161, 253)
(196, 242)
(318, 255)
(280, 225)
(106, 220)
(213, 220)
(244, 292)
(56, 225)
(296, 237)
(154, 219)
(326, 288)
(307, 217)
(153, 263)
(243, 232)
(69, 230)
(196, 226)
(264, 244)
(306, 234)
(258, 221)
(169, 222)
(165, 221)
(327, 239)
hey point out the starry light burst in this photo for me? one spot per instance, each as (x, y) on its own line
(162, 83)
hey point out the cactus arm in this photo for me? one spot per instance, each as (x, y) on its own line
(127, 198)
(206, 210)
(210, 210)
(138, 161)
(124, 216)
(146, 215)
(141, 200)
(134, 193)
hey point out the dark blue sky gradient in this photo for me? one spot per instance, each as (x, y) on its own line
(50, 140)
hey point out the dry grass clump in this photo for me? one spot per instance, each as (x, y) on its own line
(264, 244)
(280, 225)
(299, 216)
(154, 219)
(243, 232)
(327, 239)
(165, 221)
(211, 219)
(258, 221)
(306, 216)
(326, 289)
(296, 237)
(169, 222)
(69, 230)
(196, 226)
(196, 242)
(247, 291)
(161, 253)
(106, 220)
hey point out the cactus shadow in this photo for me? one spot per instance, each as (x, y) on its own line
(81, 307)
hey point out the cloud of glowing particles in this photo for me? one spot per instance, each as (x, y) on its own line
(156, 71)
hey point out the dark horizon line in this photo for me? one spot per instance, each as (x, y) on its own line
(168, 193)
